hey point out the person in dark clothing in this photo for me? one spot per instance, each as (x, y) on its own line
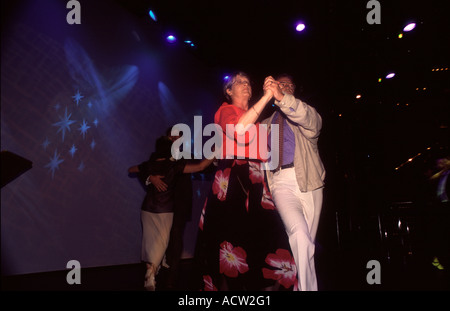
(182, 214)
(158, 207)
(439, 215)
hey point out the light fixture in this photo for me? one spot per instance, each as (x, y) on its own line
(171, 39)
(390, 75)
(409, 27)
(300, 27)
(152, 15)
(189, 42)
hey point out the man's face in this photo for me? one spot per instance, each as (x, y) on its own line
(286, 85)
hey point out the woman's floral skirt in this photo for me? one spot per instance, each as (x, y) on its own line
(242, 243)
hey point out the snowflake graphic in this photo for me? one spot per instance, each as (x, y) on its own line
(77, 97)
(45, 143)
(64, 124)
(73, 150)
(83, 128)
(81, 166)
(54, 163)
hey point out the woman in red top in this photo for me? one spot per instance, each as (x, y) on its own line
(242, 244)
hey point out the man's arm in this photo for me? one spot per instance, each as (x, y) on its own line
(197, 167)
(301, 113)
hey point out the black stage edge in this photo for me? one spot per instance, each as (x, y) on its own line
(336, 271)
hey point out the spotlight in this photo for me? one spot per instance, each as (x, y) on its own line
(226, 78)
(391, 75)
(409, 27)
(152, 15)
(300, 27)
(171, 39)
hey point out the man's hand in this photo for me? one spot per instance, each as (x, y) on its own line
(157, 182)
(270, 84)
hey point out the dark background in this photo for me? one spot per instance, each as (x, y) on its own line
(139, 85)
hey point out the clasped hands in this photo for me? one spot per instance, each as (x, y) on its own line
(272, 88)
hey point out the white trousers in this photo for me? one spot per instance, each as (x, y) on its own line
(155, 236)
(300, 212)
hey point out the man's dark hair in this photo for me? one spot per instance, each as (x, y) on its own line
(163, 147)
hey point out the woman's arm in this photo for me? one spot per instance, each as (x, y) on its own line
(133, 169)
(252, 114)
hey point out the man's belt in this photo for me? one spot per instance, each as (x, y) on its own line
(282, 167)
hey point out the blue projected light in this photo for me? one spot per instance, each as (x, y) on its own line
(64, 124)
(54, 163)
(83, 112)
(152, 15)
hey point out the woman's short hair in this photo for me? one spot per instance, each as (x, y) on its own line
(230, 80)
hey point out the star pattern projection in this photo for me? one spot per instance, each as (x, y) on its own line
(77, 97)
(64, 124)
(65, 147)
(54, 163)
(83, 128)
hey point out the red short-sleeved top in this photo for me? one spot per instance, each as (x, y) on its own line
(252, 145)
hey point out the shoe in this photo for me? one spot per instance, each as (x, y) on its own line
(150, 282)
(164, 263)
(437, 264)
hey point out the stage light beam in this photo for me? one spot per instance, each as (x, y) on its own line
(171, 39)
(152, 15)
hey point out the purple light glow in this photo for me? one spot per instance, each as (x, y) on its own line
(300, 27)
(171, 39)
(391, 75)
(409, 27)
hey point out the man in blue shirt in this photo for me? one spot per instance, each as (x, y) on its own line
(297, 183)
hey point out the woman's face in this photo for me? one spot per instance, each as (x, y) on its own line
(240, 89)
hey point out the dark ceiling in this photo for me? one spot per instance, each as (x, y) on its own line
(338, 44)
(338, 56)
